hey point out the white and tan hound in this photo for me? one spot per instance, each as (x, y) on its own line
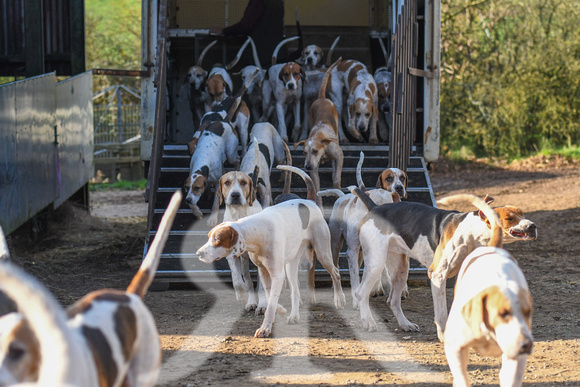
(491, 311)
(438, 239)
(282, 88)
(277, 237)
(346, 215)
(196, 78)
(108, 338)
(322, 143)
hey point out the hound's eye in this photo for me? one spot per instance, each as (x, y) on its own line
(510, 218)
(243, 183)
(15, 352)
(295, 74)
(357, 114)
(390, 179)
(367, 115)
(504, 314)
(402, 179)
(527, 313)
(314, 152)
(227, 183)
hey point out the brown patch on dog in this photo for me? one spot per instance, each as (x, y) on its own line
(386, 179)
(29, 364)
(224, 236)
(102, 355)
(352, 74)
(126, 330)
(84, 304)
(447, 235)
(526, 302)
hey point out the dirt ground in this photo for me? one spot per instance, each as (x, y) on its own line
(208, 338)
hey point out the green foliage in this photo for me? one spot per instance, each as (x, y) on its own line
(119, 185)
(113, 38)
(510, 75)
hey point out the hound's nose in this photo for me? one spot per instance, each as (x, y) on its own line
(308, 167)
(188, 200)
(526, 347)
(290, 86)
(400, 190)
(235, 195)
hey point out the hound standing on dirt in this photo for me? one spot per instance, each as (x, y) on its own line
(277, 237)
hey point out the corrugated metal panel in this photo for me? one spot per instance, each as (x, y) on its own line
(74, 117)
(28, 159)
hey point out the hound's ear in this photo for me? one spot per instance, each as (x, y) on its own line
(396, 197)
(488, 199)
(254, 184)
(192, 145)
(302, 75)
(301, 142)
(227, 88)
(406, 181)
(380, 182)
(218, 191)
(204, 171)
(474, 313)
(281, 75)
(325, 141)
(351, 111)
(483, 218)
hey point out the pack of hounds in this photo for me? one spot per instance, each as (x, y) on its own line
(109, 337)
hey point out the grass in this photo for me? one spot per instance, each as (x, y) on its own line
(121, 185)
(569, 151)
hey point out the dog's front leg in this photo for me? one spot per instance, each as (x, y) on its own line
(337, 162)
(237, 280)
(277, 282)
(213, 219)
(512, 371)
(373, 139)
(280, 113)
(457, 358)
(438, 283)
(297, 130)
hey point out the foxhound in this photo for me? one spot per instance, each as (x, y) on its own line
(107, 338)
(438, 239)
(322, 143)
(277, 237)
(215, 144)
(491, 312)
(347, 213)
(282, 88)
(196, 78)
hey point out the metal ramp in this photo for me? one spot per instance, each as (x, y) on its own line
(179, 262)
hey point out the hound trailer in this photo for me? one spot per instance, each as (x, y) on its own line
(176, 32)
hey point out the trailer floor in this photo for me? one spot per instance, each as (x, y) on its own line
(208, 339)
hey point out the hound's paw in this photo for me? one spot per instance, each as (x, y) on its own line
(281, 310)
(410, 327)
(197, 212)
(293, 319)
(251, 306)
(339, 301)
(370, 325)
(263, 332)
(374, 140)
(212, 221)
(260, 310)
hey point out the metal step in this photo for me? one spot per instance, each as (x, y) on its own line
(179, 262)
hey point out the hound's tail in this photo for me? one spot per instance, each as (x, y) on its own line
(322, 90)
(205, 50)
(146, 273)
(288, 174)
(4, 253)
(367, 201)
(235, 61)
(359, 179)
(330, 192)
(62, 357)
(255, 54)
(311, 189)
(331, 51)
(488, 213)
(279, 46)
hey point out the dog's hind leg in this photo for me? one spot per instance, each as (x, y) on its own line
(398, 267)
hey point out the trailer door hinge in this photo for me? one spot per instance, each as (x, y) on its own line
(421, 73)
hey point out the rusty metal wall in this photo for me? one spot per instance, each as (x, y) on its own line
(46, 144)
(28, 158)
(75, 128)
